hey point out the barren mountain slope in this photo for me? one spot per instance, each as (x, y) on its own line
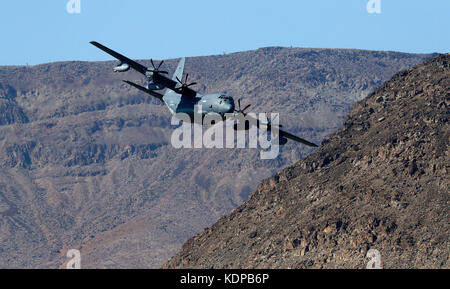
(86, 161)
(381, 182)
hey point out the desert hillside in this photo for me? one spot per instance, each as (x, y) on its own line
(86, 161)
(380, 182)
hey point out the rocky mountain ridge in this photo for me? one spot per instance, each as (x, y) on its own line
(380, 182)
(86, 161)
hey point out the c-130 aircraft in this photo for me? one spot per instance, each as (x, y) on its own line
(181, 98)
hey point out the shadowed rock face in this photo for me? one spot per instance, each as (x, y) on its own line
(380, 182)
(86, 161)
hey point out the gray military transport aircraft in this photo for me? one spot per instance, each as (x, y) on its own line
(181, 98)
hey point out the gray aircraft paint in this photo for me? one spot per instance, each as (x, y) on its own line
(214, 102)
(180, 98)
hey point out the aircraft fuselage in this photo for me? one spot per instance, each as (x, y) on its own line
(209, 103)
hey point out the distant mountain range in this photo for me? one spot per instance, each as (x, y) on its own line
(379, 183)
(86, 161)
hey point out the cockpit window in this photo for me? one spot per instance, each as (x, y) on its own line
(225, 97)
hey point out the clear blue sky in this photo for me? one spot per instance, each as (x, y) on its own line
(39, 31)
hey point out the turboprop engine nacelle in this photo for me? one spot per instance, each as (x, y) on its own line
(122, 67)
(154, 86)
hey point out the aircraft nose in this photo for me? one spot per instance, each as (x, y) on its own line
(230, 107)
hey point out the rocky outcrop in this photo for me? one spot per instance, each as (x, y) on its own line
(86, 161)
(381, 182)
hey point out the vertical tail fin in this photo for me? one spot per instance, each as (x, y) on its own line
(179, 71)
(171, 98)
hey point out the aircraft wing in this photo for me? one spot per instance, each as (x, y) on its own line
(133, 64)
(174, 85)
(171, 84)
(144, 89)
(284, 134)
(296, 138)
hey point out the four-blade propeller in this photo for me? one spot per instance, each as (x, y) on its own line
(156, 69)
(239, 110)
(258, 123)
(185, 84)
